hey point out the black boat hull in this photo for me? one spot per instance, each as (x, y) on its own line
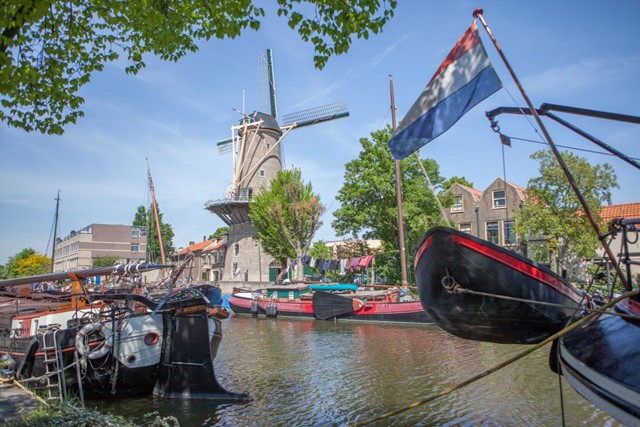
(600, 361)
(448, 262)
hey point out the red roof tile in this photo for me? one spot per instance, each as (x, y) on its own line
(626, 210)
(477, 194)
(204, 246)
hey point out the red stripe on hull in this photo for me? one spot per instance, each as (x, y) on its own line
(518, 265)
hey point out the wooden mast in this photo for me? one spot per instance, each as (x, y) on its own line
(594, 224)
(155, 213)
(55, 231)
(403, 253)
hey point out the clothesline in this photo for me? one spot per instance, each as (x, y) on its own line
(354, 264)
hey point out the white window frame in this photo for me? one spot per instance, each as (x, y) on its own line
(497, 229)
(457, 207)
(496, 200)
(508, 233)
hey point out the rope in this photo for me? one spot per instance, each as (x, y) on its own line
(456, 288)
(431, 187)
(519, 356)
(32, 394)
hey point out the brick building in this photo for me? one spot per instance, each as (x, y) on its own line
(487, 214)
(208, 260)
(78, 250)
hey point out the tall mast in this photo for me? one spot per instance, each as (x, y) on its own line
(585, 207)
(55, 230)
(155, 213)
(403, 254)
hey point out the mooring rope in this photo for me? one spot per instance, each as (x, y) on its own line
(517, 357)
(456, 288)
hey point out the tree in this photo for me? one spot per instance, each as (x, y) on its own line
(145, 218)
(368, 200)
(552, 210)
(27, 262)
(219, 232)
(50, 48)
(104, 261)
(286, 217)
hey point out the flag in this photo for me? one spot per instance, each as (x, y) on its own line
(464, 78)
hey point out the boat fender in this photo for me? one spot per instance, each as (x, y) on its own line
(82, 345)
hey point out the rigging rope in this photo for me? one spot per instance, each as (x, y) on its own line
(496, 368)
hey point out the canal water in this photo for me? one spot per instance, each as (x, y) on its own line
(325, 373)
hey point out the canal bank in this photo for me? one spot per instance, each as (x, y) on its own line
(15, 401)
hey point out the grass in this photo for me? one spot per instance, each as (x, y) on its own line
(65, 415)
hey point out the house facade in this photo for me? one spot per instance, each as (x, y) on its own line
(487, 214)
(207, 265)
(78, 250)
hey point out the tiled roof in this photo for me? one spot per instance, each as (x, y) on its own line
(477, 194)
(202, 246)
(522, 192)
(626, 210)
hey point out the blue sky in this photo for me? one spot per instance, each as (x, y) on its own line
(583, 54)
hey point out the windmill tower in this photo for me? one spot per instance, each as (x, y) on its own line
(257, 155)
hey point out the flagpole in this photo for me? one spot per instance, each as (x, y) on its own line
(478, 14)
(403, 254)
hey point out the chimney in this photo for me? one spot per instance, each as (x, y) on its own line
(192, 243)
(204, 238)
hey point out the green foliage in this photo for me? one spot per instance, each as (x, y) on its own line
(69, 416)
(334, 22)
(552, 210)
(49, 49)
(286, 216)
(146, 218)
(219, 232)
(104, 261)
(368, 198)
(319, 249)
(26, 263)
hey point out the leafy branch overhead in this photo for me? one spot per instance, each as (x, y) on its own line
(50, 49)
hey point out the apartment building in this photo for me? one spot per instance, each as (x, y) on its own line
(77, 251)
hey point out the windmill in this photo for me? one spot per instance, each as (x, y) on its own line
(257, 155)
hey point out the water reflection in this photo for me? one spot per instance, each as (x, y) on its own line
(323, 373)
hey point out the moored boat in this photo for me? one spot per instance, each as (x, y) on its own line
(113, 344)
(330, 301)
(600, 361)
(481, 291)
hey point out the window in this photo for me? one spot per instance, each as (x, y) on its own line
(499, 199)
(135, 247)
(465, 228)
(509, 233)
(457, 204)
(493, 233)
(236, 249)
(261, 173)
(135, 232)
